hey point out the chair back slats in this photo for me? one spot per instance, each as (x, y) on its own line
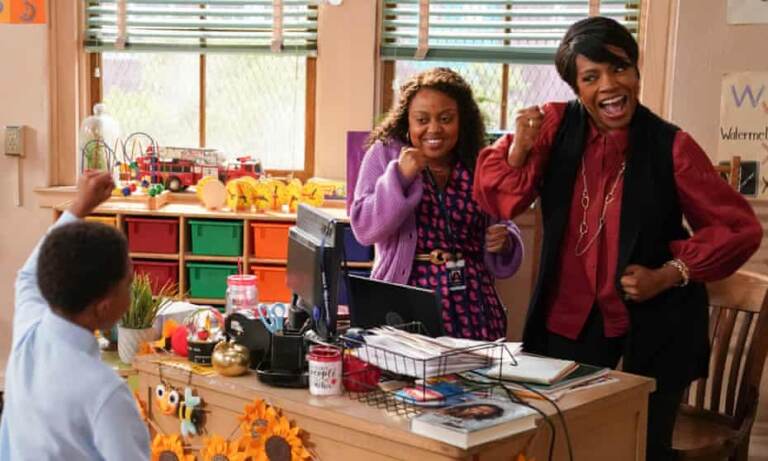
(749, 389)
(738, 332)
(720, 348)
(744, 327)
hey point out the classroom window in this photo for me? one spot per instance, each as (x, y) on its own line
(503, 48)
(236, 76)
(240, 104)
(526, 85)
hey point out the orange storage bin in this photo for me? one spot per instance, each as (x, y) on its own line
(107, 220)
(272, 283)
(270, 240)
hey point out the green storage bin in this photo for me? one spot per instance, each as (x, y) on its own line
(216, 238)
(209, 280)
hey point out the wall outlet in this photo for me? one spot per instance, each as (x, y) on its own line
(14, 141)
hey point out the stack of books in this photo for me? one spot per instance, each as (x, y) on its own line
(552, 378)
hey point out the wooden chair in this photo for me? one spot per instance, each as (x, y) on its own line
(731, 171)
(716, 417)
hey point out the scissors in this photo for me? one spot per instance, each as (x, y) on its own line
(272, 316)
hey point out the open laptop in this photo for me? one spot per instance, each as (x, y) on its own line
(375, 303)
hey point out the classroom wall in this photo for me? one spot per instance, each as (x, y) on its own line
(24, 100)
(694, 102)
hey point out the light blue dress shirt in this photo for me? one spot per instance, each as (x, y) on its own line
(61, 401)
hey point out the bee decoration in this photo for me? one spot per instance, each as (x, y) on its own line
(190, 413)
(167, 399)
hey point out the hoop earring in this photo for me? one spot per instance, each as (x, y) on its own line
(408, 137)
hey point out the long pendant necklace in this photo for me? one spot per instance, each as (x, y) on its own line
(584, 227)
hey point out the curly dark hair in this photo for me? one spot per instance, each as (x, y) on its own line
(447, 81)
(589, 37)
(79, 263)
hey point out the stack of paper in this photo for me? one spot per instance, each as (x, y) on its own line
(419, 356)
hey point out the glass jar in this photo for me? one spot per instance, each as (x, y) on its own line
(99, 134)
(242, 293)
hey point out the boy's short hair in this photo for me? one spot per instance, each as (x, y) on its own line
(79, 263)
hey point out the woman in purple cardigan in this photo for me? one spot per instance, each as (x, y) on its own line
(413, 200)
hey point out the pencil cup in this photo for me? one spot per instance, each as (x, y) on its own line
(324, 370)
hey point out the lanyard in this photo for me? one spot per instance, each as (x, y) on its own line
(443, 209)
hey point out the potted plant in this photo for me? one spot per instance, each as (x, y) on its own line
(137, 324)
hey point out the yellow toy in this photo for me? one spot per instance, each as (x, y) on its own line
(278, 194)
(263, 199)
(312, 194)
(294, 194)
(241, 194)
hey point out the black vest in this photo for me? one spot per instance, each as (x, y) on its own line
(667, 338)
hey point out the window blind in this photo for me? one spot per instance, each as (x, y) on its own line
(521, 31)
(288, 26)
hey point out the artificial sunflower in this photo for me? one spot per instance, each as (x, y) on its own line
(281, 442)
(216, 448)
(169, 448)
(255, 419)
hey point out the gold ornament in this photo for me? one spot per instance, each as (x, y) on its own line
(230, 358)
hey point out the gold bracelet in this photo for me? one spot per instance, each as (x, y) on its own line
(682, 268)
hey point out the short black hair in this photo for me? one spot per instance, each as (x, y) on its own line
(589, 38)
(79, 263)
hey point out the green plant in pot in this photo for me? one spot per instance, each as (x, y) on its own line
(137, 324)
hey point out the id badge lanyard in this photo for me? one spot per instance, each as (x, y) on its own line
(455, 268)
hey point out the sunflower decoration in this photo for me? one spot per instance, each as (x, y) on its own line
(169, 448)
(216, 448)
(281, 442)
(256, 418)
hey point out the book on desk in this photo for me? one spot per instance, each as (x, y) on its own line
(474, 422)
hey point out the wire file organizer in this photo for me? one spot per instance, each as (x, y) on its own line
(404, 383)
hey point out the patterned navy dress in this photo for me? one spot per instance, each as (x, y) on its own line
(475, 312)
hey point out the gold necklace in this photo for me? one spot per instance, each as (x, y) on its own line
(584, 227)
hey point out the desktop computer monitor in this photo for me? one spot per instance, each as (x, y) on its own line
(374, 303)
(315, 254)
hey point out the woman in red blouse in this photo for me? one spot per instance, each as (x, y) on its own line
(620, 275)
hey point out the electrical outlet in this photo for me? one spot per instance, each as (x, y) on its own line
(14, 141)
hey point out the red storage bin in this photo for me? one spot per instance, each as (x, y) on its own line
(160, 272)
(272, 283)
(270, 240)
(151, 235)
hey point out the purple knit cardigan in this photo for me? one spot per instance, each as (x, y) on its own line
(383, 213)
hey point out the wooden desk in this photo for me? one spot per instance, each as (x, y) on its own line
(605, 423)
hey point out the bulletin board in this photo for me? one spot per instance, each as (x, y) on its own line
(23, 12)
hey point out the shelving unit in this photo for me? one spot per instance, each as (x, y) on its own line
(184, 212)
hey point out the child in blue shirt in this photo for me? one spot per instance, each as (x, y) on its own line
(61, 400)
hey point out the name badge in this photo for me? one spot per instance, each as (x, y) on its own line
(456, 278)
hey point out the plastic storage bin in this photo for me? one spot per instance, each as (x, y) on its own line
(270, 240)
(160, 272)
(152, 235)
(354, 250)
(106, 220)
(272, 283)
(216, 238)
(209, 280)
